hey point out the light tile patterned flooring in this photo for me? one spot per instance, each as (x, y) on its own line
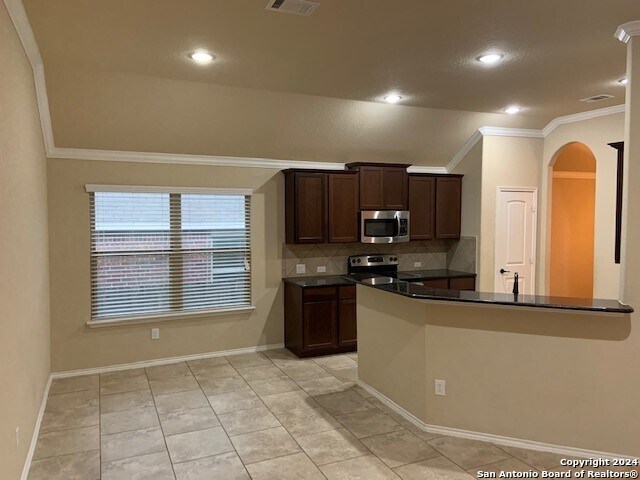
(260, 415)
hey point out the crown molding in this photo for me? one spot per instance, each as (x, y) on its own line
(25, 34)
(419, 169)
(185, 159)
(510, 132)
(628, 30)
(579, 117)
(466, 148)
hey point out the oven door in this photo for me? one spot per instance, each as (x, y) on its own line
(384, 226)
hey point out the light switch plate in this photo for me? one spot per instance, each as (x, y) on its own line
(321, 269)
(155, 333)
(440, 387)
(417, 264)
(301, 268)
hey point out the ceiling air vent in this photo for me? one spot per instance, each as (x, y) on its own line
(597, 98)
(296, 7)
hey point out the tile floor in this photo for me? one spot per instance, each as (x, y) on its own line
(260, 415)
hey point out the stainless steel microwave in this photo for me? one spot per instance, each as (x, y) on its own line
(384, 226)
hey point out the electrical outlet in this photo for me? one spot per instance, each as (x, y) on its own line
(440, 387)
(417, 264)
(301, 268)
(155, 333)
(17, 439)
(321, 269)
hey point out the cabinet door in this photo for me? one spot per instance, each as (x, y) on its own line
(448, 206)
(466, 283)
(320, 324)
(343, 207)
(441, 283)
(310, 208)
(394, 180)
(370, 188)
(347, 328)
(422, 196)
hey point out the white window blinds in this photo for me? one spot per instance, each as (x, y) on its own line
(156, 252)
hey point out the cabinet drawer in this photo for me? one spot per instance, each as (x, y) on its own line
(466, 283)
(346, 293)
(441, 283)
(319, 294)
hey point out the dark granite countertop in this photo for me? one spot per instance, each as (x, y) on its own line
(436, 274)
(410, 289)
(413, 275)
(321, 281)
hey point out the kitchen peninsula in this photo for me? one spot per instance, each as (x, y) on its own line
(520, 368)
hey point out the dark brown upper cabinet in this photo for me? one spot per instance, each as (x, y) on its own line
(343, 207)
(321, 206)
(305, 206)
(382, 187)
(422, 202)
(448, 206)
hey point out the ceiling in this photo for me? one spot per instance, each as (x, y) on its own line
(556, 52)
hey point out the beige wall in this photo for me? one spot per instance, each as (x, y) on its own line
(115, 111)
(595, 134)
(24, 282)
(535, 374)
(471, 168)
(75, 345)
(506, 162)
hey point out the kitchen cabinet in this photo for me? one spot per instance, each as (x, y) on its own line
(382, 187)
(305, 207)
(441, 283)
(422, 202)
(435, 203)
(320, 320)
(456, 283)
(343, 201)
(462, 283)
(448, 206)
(321, 206)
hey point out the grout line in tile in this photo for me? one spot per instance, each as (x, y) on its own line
(217, 418)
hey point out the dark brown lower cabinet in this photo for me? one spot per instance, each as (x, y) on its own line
(458, 283)
(462, 283)
(320, 320)
(441, 283)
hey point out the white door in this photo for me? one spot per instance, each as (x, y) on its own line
(515, 239)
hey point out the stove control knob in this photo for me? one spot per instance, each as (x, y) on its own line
(393, 259)
(353, 260)
(359, 260)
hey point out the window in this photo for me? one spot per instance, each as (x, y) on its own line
(162, 251)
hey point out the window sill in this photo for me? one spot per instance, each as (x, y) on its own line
(163, 317)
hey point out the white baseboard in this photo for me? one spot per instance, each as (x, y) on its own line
(487, 437)
(36, 431)
(160, 361)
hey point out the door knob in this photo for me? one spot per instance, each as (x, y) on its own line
(503, 271)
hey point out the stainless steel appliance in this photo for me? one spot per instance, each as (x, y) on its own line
(384, 226)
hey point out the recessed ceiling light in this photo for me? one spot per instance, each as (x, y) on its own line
(490, 58)
(512, 110)
(623, 81)
(201, 57)
(392, 98)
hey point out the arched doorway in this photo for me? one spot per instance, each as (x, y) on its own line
(573, 200)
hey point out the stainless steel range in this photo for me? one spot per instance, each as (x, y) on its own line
(377, 269)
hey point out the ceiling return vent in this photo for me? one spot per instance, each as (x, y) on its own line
(596, 98)
(296, 7)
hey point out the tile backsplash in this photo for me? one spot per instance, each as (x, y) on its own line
(432, 254)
